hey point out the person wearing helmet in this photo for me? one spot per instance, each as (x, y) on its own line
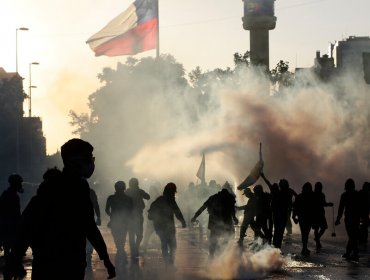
(162, 212)
(10, 212)
(119, 207)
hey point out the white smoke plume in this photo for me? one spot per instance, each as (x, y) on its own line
(236, 264)
(311, 132)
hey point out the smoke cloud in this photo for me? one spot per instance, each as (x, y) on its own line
(236, 264)
(312, 131)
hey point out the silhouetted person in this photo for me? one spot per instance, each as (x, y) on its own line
(289, 226)
(263, 213)
(119, 208)
(350, 205)
(221, 210)
(57, 221)
(89, 247)
(250, 211)
(319, 223)
(281, 202)
(303, 214)
(364, 194)
(149, 227)
(162, 212)
(136, 221)
(10, 212)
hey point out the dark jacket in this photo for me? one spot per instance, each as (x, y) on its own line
(221, 209)
(162, 212)
(57, 221)
(137, 195)
(119, 207)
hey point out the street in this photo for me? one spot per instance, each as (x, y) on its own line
(254, 262)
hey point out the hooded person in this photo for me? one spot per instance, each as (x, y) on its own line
(59, 219)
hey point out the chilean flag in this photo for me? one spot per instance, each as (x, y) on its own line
(133, 31)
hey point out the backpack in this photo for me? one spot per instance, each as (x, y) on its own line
(154, 210)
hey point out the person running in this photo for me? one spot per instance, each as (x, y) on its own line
(136, 225)
(303, 214)
(350, 205)
(263, 213)
(162, 212)
(221, 210)
(281, 202)
(250, 211)
(319, 223)
(58, 220)
(119, 209)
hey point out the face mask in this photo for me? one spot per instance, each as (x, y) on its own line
(88, 170)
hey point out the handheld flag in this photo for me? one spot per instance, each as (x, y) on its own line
(201, 174)
(133, 31)
(254, 174)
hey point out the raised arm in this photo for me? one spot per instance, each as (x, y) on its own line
(266, 181)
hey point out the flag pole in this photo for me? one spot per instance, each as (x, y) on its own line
(157, 49)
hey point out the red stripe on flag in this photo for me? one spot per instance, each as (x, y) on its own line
(142, 38)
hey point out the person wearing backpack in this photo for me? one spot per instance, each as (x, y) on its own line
(162, 212)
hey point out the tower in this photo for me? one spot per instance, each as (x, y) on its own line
(259, 18)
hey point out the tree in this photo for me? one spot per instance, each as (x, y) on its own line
(280, 76)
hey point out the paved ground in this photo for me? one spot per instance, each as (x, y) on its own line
(254, 262)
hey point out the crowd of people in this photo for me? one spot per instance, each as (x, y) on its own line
(61, 221)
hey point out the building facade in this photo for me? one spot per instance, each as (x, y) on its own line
(22, 143)
(348, 54)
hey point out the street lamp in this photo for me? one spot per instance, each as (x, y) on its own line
(30, 88)
(16, 46)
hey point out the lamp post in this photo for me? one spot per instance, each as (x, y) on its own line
(16, 46)
(18, 120)
(30, 87)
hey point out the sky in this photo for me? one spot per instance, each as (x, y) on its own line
(202, 33)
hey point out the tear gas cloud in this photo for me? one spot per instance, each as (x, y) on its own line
(312, 131)
(234, 263)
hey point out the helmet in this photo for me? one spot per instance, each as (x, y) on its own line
(170, 189)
